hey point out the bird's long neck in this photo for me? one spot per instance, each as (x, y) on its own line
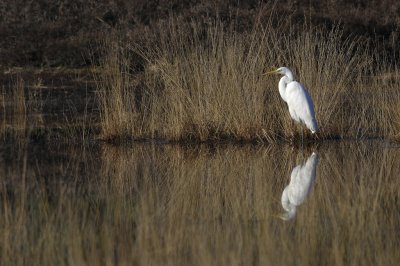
(289, 75)
(282, 86)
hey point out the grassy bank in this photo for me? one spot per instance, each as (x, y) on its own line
(203, 81)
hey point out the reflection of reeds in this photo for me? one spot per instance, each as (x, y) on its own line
(171, 205)
(218, 208)
(205, 83)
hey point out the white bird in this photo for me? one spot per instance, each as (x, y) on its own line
(301, 182)
(301, 106)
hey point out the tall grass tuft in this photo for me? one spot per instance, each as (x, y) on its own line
(204, 81)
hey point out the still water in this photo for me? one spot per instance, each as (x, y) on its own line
(144, 204)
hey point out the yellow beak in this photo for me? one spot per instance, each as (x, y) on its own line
(275, 71)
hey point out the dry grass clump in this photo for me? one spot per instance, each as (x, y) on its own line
(118, 116)
(203, 81)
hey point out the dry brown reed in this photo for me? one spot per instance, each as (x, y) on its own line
(169, 205)
(203, 81)
(391, 91)
(14, 109)
(21, 111)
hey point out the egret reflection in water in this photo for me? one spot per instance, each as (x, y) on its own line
(301, 182)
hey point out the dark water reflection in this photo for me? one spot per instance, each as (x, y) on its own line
(199, 205)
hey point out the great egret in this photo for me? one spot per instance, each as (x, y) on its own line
(301, 182)
(301, 107)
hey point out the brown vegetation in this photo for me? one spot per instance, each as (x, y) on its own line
(203, 81)
(208, 85)
(33, 109)
(164, 76)
(20, 112)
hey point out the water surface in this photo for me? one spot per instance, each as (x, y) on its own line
(199, 205)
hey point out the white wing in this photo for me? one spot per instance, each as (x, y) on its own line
(301, 106)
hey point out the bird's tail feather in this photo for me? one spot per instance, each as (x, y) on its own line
(313, 126)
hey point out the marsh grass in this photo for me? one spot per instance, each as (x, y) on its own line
(173, 205)
(32, 111)
(392, 109)
(14, 109)
(203, 81)
(21, 110)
